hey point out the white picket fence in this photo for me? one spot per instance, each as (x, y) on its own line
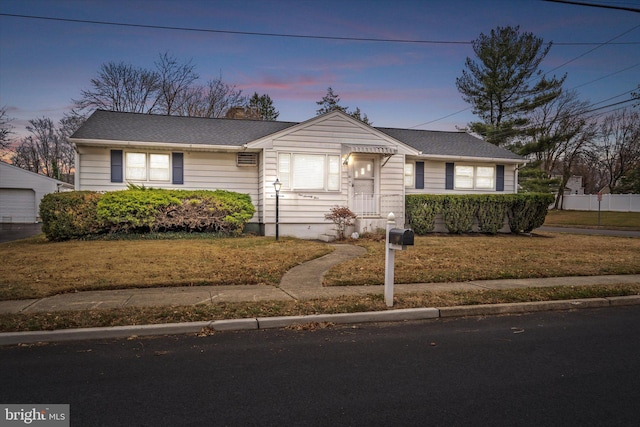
(610, 202)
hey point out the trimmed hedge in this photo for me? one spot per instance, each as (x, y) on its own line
(528, 211)
(421, 211)
(70, 215)
(74, 215)
(525, 212)
(459, 214)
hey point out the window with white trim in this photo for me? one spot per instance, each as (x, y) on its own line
(409, 175)
(474, 177)
(485, 177)
(147, 167)
(313, 172)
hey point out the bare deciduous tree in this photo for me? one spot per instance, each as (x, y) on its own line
(45, 151)
(6, 128)
(175, 81)
(213, 100)
(121, 87)
(169, 89)
(618, 147)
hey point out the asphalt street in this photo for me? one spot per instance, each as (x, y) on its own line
(552, 368)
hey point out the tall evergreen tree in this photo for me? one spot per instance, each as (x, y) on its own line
(505, 83)
(263, 105)
(331, 102)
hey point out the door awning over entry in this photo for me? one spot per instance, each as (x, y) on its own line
(371, 149)
(385, 150)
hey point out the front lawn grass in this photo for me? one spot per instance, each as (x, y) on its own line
(34, 268)
(589, 219)
(454, 258)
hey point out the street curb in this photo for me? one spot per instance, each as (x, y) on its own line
(347, 318)
(14, 338)
(523, 307)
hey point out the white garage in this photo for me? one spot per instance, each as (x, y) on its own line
(17, 205)
(21, 192)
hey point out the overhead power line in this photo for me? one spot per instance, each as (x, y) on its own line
(282, 35)
(608, 42)
(604, 6)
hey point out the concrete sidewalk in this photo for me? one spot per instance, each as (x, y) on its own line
(214, 294)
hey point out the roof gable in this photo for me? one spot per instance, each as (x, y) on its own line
(343, 129)
(26, 173)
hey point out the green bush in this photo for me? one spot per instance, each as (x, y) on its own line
(525, 212)
(80, 214)
(70, 215)
(492, 210)
(528, 211)
(133, 210)
(217, 211)
(421, 211)
(144, 210)
(459, 213)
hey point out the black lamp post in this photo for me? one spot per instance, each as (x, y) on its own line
(277, 185)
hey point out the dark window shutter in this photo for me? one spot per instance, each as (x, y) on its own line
(449, 176)
(178, 168)
(500, 178)
(116, 166)
(420, 175)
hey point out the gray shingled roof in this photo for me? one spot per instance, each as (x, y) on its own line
(116, 126)
(442, 143)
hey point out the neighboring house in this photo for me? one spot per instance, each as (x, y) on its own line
(574, 185)
(21, 192)
(327, 161)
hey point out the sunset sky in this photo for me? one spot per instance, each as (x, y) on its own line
(45, 63)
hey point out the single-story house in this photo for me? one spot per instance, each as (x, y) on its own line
(21, 192)
(327, 161)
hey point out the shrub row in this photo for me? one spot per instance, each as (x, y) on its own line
(78, 214)
(525, 212)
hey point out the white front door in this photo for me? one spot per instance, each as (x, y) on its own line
(365, 200)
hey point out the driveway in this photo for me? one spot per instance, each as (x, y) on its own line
(593, 231)
(15, 231)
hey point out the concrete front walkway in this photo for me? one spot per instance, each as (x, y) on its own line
(303, 282)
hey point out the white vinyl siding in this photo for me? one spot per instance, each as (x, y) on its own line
(434, 178)
(202, 171)
(297, 206)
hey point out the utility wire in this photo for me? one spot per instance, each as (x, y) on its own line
(608, 42)
(283, 35)
(607, 76)
(604, 6)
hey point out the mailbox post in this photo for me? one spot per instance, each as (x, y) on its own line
(397, 240)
